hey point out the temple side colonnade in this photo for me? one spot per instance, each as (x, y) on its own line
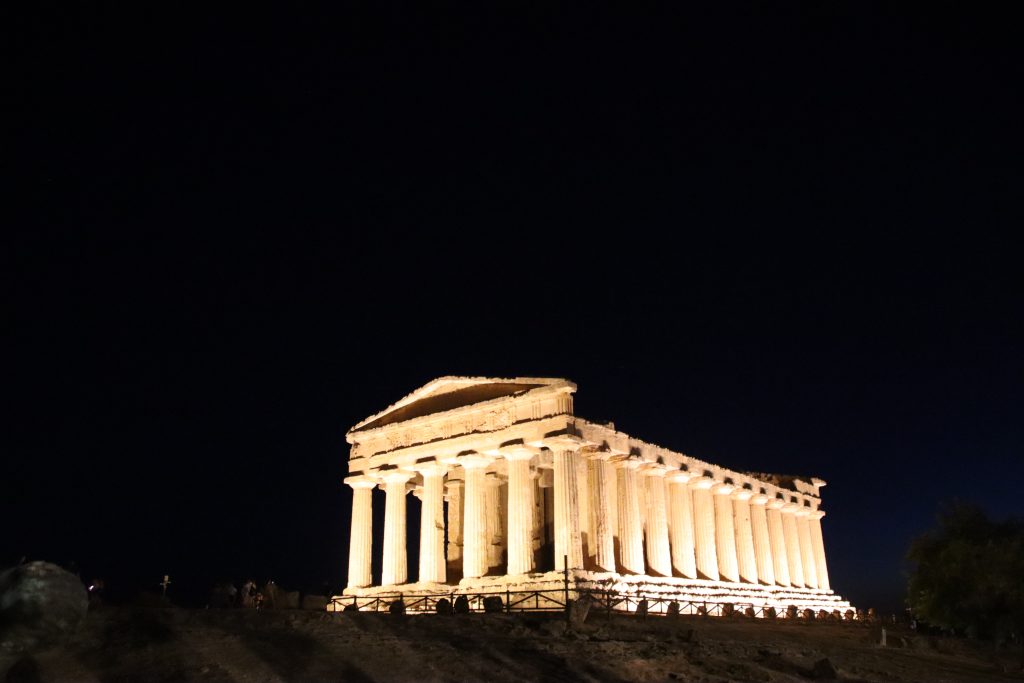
(513, 485)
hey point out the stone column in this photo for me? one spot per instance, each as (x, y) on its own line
(631, 542)
(762, 544)
(745, 557)
(604, 534)
(396, 568)
(455, 525)
(474, 535)
(777, 536)
(567, 522)
(360, 544)
(793, 559)
(659, 559)
(520, 511)
(495, 531)
(681, 528)
(538, 513)
(611, 481)
(818, 544)
(583, 508)
(432, 564)
(725, 533)
(704, 528)
(806, 551)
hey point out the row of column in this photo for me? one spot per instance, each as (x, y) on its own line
(689, 526)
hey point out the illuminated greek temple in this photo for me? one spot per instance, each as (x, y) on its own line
(514, 489)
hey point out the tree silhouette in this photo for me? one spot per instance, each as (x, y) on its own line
(968, 574)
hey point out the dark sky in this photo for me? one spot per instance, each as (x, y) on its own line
(780, 239)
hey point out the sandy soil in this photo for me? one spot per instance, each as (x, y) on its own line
(120, 645)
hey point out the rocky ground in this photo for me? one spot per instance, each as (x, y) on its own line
(122, 645)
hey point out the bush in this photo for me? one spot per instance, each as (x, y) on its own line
(966, 574)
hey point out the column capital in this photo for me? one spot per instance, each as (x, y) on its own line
(474, 460)
(679, 476)
(562, 442)
(722, 489)
(701, 482)
(653, 469)
(429, 467)
(515, 452)
(775, 504)
(816, 514)
(791, 508)
(759, 499)
(597, 454)
(742, 494)
(803, 512)
(626, 463)
(360, 481)
(395, 476)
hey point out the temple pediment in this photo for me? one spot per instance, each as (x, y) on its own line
(449, 393)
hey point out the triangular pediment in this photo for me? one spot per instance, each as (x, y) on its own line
(448, 393)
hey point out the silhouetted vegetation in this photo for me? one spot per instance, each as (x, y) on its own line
(968, 575)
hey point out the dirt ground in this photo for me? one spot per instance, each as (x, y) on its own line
(122, 645)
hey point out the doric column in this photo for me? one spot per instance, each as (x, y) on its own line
(396, 568)
(745, 559)
(818, 544)
(777, 536)
(793, 559)
(806, 551)
(474, 535)
(612, 483)
(432, 564)
(538, 512)
(725, 533)
(454, 525)
(704, 528)
(568, 545)
(495, 531)
(681, 528)
(360, 544)
(659, 559)
(520, 510)
(631, 542)
(604, 534)
(583, 508)
(762, 543)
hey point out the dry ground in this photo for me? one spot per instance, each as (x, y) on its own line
(121, 645)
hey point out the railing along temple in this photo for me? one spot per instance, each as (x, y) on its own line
(555, 599)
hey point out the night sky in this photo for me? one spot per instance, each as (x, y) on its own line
(778, 239)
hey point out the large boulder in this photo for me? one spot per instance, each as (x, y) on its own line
(40, 605)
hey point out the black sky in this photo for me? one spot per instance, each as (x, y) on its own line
(774, 238)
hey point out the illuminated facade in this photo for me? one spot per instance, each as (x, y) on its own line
(514, 488)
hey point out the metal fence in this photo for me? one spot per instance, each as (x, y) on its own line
(555, 600)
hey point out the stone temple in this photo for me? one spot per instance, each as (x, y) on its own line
(515, 489)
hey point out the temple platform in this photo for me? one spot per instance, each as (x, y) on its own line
(547, 591)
